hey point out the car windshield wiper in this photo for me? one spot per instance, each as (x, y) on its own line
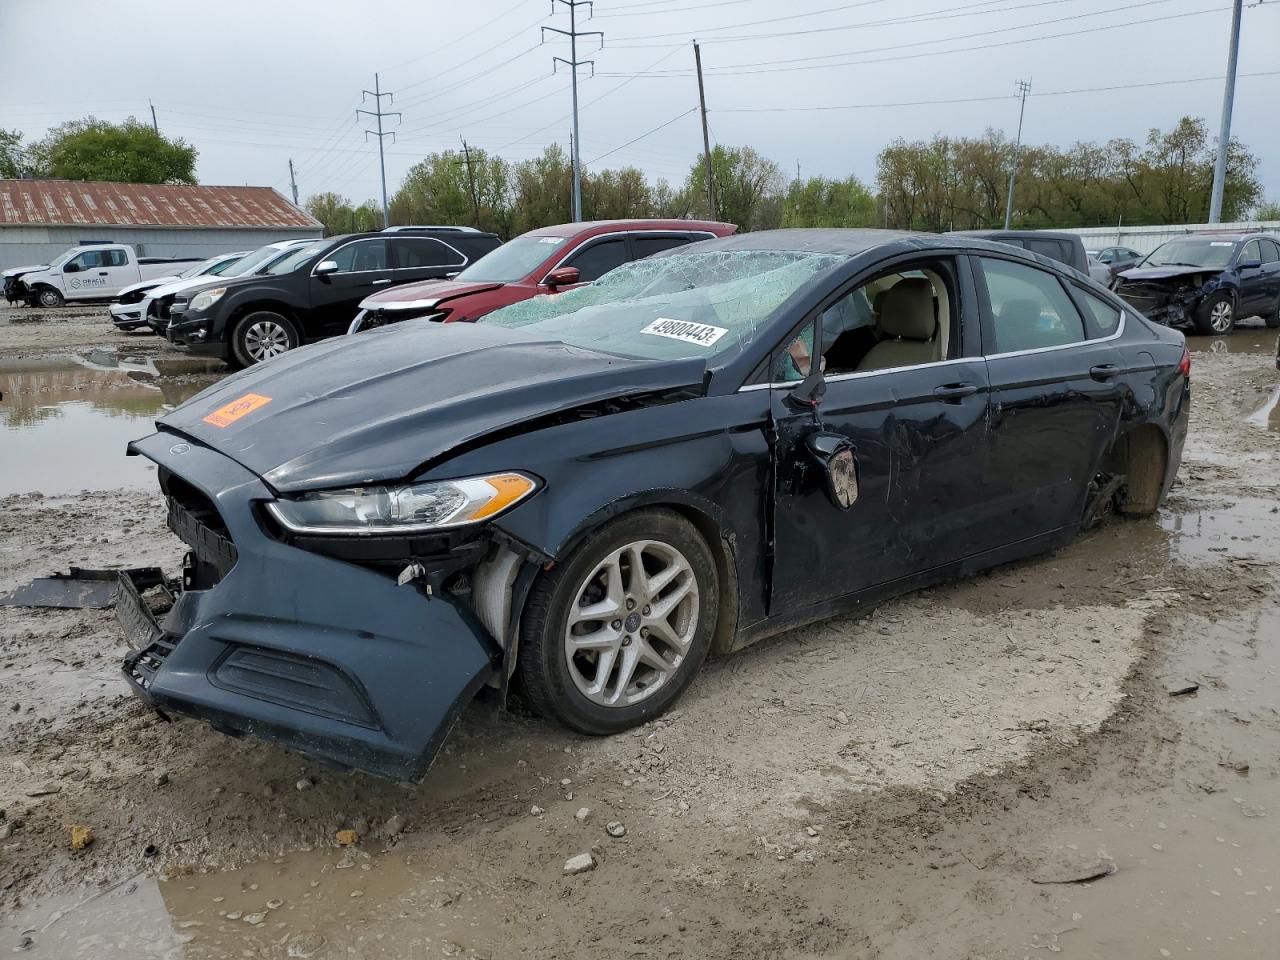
(1179, 263)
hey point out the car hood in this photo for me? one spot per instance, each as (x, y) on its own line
(438, 290)
(18, 271)
(145, 285)
(172, 285)
(378, 407)
(1164, 273)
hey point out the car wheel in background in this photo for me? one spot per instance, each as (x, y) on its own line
(49, 297)
(613, 636)
(261, 335)
(1273, 318)
(1217, 315)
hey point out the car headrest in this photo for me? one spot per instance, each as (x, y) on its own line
(908, 311)
(1024, 313)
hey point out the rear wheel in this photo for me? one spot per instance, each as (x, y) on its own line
(262, 335)
(1273, 318)
(1217, 315)
(612, 637)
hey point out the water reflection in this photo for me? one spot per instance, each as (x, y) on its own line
(1268, 415)
(64, 423)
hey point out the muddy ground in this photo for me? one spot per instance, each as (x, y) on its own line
(930, 780)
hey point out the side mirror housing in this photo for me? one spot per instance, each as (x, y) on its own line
(325, 268)
(562, 277)
(71, 268)
(834, 455)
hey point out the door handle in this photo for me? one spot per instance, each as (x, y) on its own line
(955, 391)
(379, 283)
(102, 273)
(1104, 371)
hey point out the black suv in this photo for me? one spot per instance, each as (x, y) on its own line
(314, 292)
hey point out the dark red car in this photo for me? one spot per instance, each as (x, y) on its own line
(546, 260)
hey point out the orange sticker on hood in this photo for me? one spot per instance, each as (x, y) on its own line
(233, 411)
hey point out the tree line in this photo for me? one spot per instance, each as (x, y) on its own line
(943, 183)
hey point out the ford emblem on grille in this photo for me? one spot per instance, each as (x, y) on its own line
(180, 448)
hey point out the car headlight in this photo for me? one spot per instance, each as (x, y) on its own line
(207, 298)
(414, 508)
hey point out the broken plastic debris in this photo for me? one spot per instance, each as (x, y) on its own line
(81, 837)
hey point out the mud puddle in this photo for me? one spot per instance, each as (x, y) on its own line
(1268, 415)
(1244, 339)
(64, 422)
(1246, 528)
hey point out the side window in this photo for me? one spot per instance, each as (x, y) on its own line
(90, 259)
(1252, 251)
(1106, 256)
(794, 362)
(360, 256)
(1029, 308)
(1270, 251)
(595, 261)
(648, 246)
(1105, 317)
(116, 258)
(426, 252)
(1047, 248)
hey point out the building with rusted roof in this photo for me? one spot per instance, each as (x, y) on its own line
(41, 218)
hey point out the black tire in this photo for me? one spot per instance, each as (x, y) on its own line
(48, 297)
(543, 666)
(1208, 319)
(1273, 318)
(248, 339)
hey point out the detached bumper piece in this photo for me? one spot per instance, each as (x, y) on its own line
(317, 654)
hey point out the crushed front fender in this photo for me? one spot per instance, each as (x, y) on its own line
(316, 654)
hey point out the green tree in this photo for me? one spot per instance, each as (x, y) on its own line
(13, 163)
(1267, 211)
(332, 210)
(541, 191)
(456, 188)
(129, 152)
(616, 195)
(748, 188)
(821, 202)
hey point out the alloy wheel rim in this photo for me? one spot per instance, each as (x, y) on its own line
(632, 623)
(266, 339)
(49, 298)
(1220, 316)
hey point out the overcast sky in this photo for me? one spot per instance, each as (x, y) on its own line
(253, 84)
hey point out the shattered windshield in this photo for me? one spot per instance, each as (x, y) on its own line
(684, 305)
(512, 261)
(1209, 254)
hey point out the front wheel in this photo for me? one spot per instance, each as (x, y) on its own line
(1217, 315)
(49, 297)
(612, 637)
(262, 335)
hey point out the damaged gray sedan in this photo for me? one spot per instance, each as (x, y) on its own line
(586, 495)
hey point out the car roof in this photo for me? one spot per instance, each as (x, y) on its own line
(996, 232)
(847, 241)
(591, 228)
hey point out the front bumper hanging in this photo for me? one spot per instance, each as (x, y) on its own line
(319, 655)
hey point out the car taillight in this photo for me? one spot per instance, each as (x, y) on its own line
(1184, 367)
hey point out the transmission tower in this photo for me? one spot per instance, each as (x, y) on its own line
(573, 33)
(377, 94)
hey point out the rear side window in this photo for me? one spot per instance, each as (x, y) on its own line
(648, 246)
(1029, 308)
(1053, 249)
(599, 258)
(1270, 251)
(1106, 318)
(426, 252)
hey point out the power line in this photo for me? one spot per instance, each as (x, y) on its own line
(647, 133)
(735, 70)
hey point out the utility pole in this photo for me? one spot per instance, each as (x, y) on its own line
(706, 134)
(1024, 88)
(377, 95)
(154, 126)
(471, 180)
(293, 182)
(573, 63)
(1224, 132)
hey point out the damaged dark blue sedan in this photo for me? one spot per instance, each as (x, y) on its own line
(583, 496)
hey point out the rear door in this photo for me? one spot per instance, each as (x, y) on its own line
(425, 258)
(1271, 273)
(364, 268)
(1057, 391)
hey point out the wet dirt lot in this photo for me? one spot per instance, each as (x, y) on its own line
(927, 781)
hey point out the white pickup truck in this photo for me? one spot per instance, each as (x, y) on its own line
(96, 272)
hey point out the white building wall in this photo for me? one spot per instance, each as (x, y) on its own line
(23, 245)
(1146, 239)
